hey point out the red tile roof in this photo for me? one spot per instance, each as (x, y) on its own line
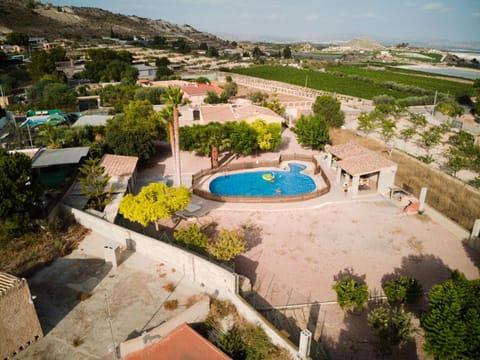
(183, 343)
(119, 165)
(200, 89)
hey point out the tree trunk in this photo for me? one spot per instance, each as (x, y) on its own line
(176, 130)
(214, 157)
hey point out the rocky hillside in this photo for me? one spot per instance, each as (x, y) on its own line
(84, 23)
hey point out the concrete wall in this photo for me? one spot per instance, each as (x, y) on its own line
(251, 315)
(386, 180)
(195, 268)
(215, 278)
(19, 325)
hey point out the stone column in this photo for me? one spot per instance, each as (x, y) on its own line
(305, 343)
(423, 196)
(476, 229)
(355, 183)
(339, 175)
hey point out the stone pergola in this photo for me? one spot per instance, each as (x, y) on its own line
(360, 167)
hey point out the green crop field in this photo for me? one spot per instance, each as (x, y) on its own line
(357, 81)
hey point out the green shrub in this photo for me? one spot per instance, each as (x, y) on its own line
(351, 295)
(192, 237)
(228, 245)
(403, 289)
(232, 344)
(391, 325)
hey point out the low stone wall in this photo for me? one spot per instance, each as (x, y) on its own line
(195, 268)
(216, 279)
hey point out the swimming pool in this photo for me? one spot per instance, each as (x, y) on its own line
(264, 183)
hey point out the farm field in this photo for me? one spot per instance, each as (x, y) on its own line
(357, 81)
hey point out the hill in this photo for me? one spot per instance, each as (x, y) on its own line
(86, 23)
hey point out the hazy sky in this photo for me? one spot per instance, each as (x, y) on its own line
(403, 20)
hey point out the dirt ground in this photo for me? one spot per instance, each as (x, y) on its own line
(298, 250)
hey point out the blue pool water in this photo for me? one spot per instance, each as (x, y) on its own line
(258, 183)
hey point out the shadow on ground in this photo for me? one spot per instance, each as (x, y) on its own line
(59, 290)
(337, 334)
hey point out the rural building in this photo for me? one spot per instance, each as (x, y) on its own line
(92, 120)
(360, 169)
(197, 93)
(123, 173)
(146, 72)
(204, 114)
(181, 343)
(19, 325)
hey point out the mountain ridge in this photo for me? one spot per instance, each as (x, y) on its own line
(84, 23)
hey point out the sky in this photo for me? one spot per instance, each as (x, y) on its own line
(313, 20)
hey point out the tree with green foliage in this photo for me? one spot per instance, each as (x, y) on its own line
(20, 193)
(287, 52)
(228, 244)
(212, 52)
(257, 53)
(274, 105)
(152, 94)
(134, 133)
(117, 96)
(231, 343)
(452, 323)
(230, 89)
(173, 98)
(192, 237)
(406, 134)
(351, 294)
(202, 80)
(329, 108)
(312, 131)
(430, 137)
(159, 42)
(182, 46)
(213, 98)
(94, 183)
(50, 94)
(269, 136)
(17, 38)
(243, 138)
(392, 326)
(417, 120)
(109, 65)
(154, 201)
(258, 97)
(366, 122)
(403, 289)
(163, 73)
(457, 160)
(387, 130)
(41, 64)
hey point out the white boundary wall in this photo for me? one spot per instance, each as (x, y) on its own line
(195, 268)
(213, 277)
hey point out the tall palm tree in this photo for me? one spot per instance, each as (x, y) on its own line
(216, 137)
(173, 97)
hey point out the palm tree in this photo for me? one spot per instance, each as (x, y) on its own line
(173, 97)
(216, 136)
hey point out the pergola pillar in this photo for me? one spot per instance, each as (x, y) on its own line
(355, 183)
(338, 178)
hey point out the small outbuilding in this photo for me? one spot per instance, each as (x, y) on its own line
(360, 169)
(19, 324)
